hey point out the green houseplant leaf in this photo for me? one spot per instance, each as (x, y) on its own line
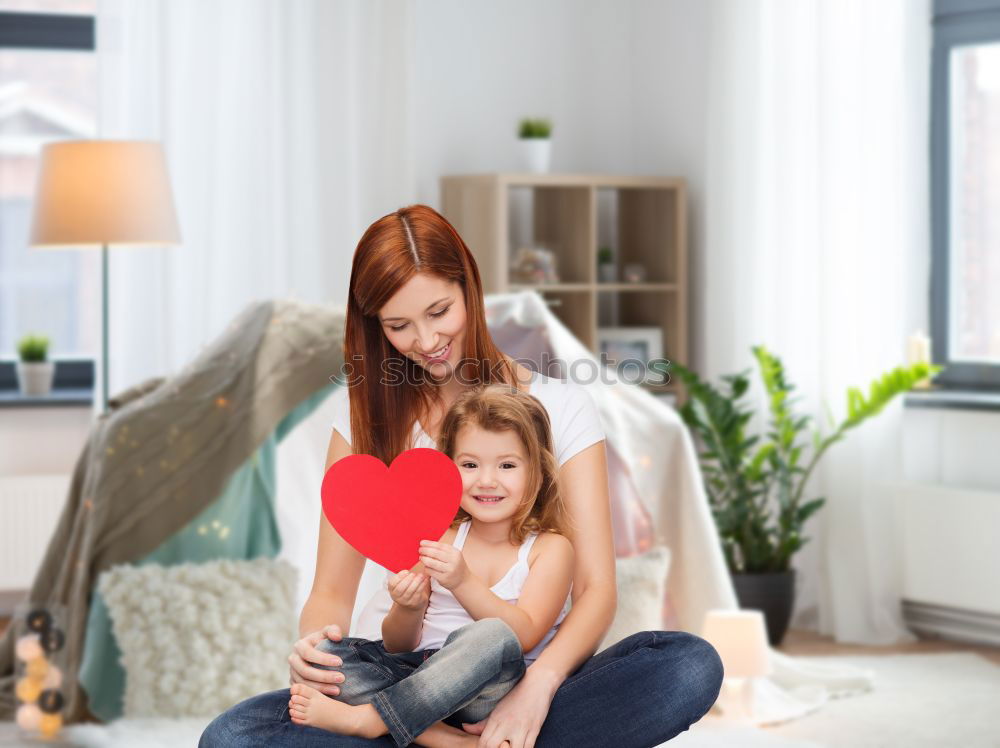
(755, 483)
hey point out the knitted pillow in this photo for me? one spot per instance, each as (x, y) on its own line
(642, 583)
(197, 638)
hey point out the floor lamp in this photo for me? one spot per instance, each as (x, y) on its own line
(103, 193)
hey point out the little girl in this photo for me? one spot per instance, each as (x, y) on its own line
(494, 587)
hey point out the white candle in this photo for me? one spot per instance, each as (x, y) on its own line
(918, 348)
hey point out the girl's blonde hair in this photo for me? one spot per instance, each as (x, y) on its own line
(501, 407)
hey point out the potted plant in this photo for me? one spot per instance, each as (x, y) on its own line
(536, 143)
(34, 372)
(756, 483)
(606, 265)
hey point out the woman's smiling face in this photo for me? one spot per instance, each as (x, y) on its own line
(425, 321)
(494, 472)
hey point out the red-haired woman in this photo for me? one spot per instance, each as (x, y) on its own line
(416, 337)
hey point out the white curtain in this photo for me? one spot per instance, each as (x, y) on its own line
(816, 245)
(285, 128)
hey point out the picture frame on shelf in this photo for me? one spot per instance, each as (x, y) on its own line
(620, 345)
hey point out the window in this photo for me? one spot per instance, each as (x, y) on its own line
(965, 192)
(48, 91)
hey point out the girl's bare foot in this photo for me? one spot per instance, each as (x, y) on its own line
(307, 706)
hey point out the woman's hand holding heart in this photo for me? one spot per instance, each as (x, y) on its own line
(444, 562)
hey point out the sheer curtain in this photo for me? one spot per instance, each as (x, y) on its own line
(285, 125)
(816, 245)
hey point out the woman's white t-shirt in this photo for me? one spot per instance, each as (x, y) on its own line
(576, 425)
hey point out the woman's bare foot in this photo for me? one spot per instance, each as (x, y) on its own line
(307, 706)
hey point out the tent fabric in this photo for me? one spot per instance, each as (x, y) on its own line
(240, 524)
(166, 450)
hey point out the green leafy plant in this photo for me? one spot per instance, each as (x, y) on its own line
(33, 348)
(534, 128)
(756, 483)
(604, 256)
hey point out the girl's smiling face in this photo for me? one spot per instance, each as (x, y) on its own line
(494, 472)
(425, 321)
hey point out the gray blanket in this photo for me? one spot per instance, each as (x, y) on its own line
(165, 450)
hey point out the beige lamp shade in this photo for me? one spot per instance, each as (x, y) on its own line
(103, 192)
(741, 641)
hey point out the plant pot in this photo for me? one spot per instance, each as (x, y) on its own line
(773, 594)
(537, 154)
(607, 272)
(35, 377)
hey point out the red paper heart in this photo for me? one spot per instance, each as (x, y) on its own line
(384, 513)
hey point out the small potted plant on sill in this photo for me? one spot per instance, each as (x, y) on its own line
(747, 478)
(536, 144)
(34, 371)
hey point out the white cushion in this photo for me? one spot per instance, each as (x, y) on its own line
(198, 638)
(642, 584)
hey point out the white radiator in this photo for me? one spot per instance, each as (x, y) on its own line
(30, 506)
(950, 559)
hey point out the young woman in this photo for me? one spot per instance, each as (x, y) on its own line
(482, 601)
(416, 337)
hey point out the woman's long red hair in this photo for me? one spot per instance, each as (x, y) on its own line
(388, 391)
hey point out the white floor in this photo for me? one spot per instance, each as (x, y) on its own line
(933, 700)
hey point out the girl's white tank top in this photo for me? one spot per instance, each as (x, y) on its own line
(445, 614)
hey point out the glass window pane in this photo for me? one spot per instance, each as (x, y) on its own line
(44, 96)
(974, 210)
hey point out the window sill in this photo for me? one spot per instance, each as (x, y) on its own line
(953, 399)
(57, 398)
(72, 387)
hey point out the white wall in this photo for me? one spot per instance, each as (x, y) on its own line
(479, 67)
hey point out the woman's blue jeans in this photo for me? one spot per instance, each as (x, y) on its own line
(638, 693)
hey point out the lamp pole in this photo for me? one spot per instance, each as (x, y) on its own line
(104, 327)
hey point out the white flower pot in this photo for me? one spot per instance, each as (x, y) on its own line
(537, 154)
(35, 378)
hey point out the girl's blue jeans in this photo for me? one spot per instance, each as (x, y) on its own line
(638, 693)
(476, 666)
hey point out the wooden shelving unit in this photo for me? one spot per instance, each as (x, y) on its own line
(643, 220)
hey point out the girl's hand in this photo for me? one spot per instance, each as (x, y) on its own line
(517, 718)
(443, 562)
(409, 590)
(301, 660)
